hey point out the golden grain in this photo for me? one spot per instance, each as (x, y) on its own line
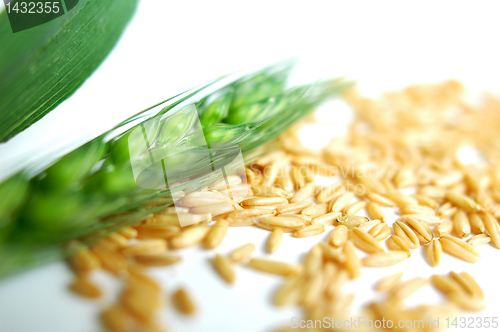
(406, 234)
(375, 212)
(294, 207)
(118, 318)
(329, 270)
(297, 178)
(371, 184)
(427, 219)
(316, 211)
(338, 236)
(464, 202)
(115, 241)
(183, 302)
(271, 172)
(84, 287)
(229, 181)
(274, 267)
(289, 292)
(447, 211)
(142, 302)
(214, 209)
(266, 191)
(419, 228)
(364, 241)
(173, 219)
(328, 219)
(355, 208)
(138, 278)
(145, 247)
(397, 244)
(476, 223)
(174, 210)
(380, 232)
(432, 192)
(483, 199)
(434, 253)
(407, 289)
(472, 283)
(404, 178)
(444, 228)
(225, 268)
(366, 227)
(282, 221)
(284, 180)
(351, 221)
(416, 209)
(384, 259)
(449, 179)
(303, 193)
(491, 225)
(479, 240)
(352, 262)
(152, 231)
(338, 204)
(445, 285)
(427, 201)
(84, 260)
(463, 282)
(338, 280)
(258, 201)
(401, 199)
(152, 260)
(461, 224)
(379, 199)
(274, 241)
(241, 253)
(272, 228)
(250, 175)
(199, 198)
(237, 194)
(216, 234)
(111, 260)
(308, 231)
(307, 219)
(460, 249)
(313, 260)
(331, 254)
(245, 217)
(328, 193)
(312, 290)
(467, 303)
(190, 236)
(129, 232)
(389, 282)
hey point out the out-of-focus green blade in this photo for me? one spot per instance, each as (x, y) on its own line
(42, 66)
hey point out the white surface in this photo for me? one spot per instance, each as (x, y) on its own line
(173, 45)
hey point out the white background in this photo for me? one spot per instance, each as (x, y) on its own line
(171, 46)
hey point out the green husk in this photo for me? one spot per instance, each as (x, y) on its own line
(42, 66)
(98, 191)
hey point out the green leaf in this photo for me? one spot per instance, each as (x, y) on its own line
(42, 66)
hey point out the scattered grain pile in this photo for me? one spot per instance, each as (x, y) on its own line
(408, 139)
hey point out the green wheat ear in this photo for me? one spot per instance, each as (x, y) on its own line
(93, 188)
